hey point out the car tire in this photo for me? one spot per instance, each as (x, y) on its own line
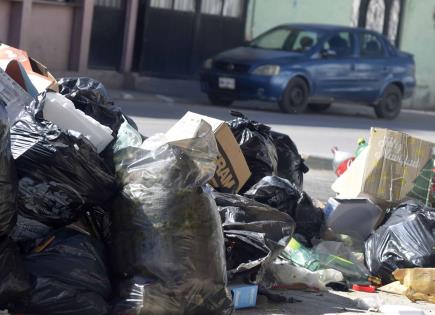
(295, 97)
(319, 107)
(390, 104)
(219, 100)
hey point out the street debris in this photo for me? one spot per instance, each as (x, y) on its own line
(96, 218)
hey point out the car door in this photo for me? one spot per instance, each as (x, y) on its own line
(332, 68)
(371, 67)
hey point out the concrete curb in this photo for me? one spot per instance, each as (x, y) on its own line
(317, 162)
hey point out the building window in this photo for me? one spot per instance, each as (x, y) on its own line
(376, 16)
(233, 8)
(382, 16)
(393, 24)
(212, 7)
(228, 8)
(184, 5)
(161, 4)
(117, 4)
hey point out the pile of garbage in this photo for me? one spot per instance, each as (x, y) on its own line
(96, 218)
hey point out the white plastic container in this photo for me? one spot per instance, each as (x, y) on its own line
(61, 111)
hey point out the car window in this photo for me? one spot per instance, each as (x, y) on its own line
(287, 39)
(370, 46)
(304, 41)
(342, 44)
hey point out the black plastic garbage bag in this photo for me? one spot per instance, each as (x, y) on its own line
(59, 172)
(255, 234)
(70, 276)
(309, 220)
(285, 196)
(8, 180)
(91, 97)
(276, 192)
(406, 240)
(14, 280)
(291, 165)
(171, 225)
(257, 146)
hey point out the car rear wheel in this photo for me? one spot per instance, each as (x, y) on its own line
(295, 97)
(391, 103)
(219, 100)
(319, 107)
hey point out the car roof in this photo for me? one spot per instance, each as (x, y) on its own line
(324, 27)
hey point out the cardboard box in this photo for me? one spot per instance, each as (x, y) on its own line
(244, 295)
(387, 169)
(30, 74)
(232, 171)
(13, 96)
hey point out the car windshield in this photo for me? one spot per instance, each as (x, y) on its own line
(288, 39)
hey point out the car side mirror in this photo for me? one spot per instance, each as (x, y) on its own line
(328, 53)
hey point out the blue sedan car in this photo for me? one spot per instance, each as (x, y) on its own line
(300, 66)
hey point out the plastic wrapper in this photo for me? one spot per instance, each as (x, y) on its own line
(70, 276)
(285, 196)
(338, 256)
(255, 234)
(257, 146)
(130, 297)
(8, 180)
(282, 274)
(291, 165)
(406, 240)
(59, 172)
(326, 255)
(165, 227)
(14, 280)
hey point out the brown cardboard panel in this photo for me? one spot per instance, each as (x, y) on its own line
(394, 160)
(38, 74)
(387, 169)
(232, 171)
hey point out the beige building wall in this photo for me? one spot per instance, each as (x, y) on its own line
(50, 33)
(4, 20)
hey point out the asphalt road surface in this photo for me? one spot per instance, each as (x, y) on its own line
(314, 134)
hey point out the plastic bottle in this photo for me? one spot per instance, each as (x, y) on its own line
(362, 144)
(341, 161)
(300, 255)
(62, 112)
(339, 157)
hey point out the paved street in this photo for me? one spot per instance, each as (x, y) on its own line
(314, 134)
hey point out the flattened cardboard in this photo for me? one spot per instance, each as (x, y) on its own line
(232, 171)
(388, 169)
